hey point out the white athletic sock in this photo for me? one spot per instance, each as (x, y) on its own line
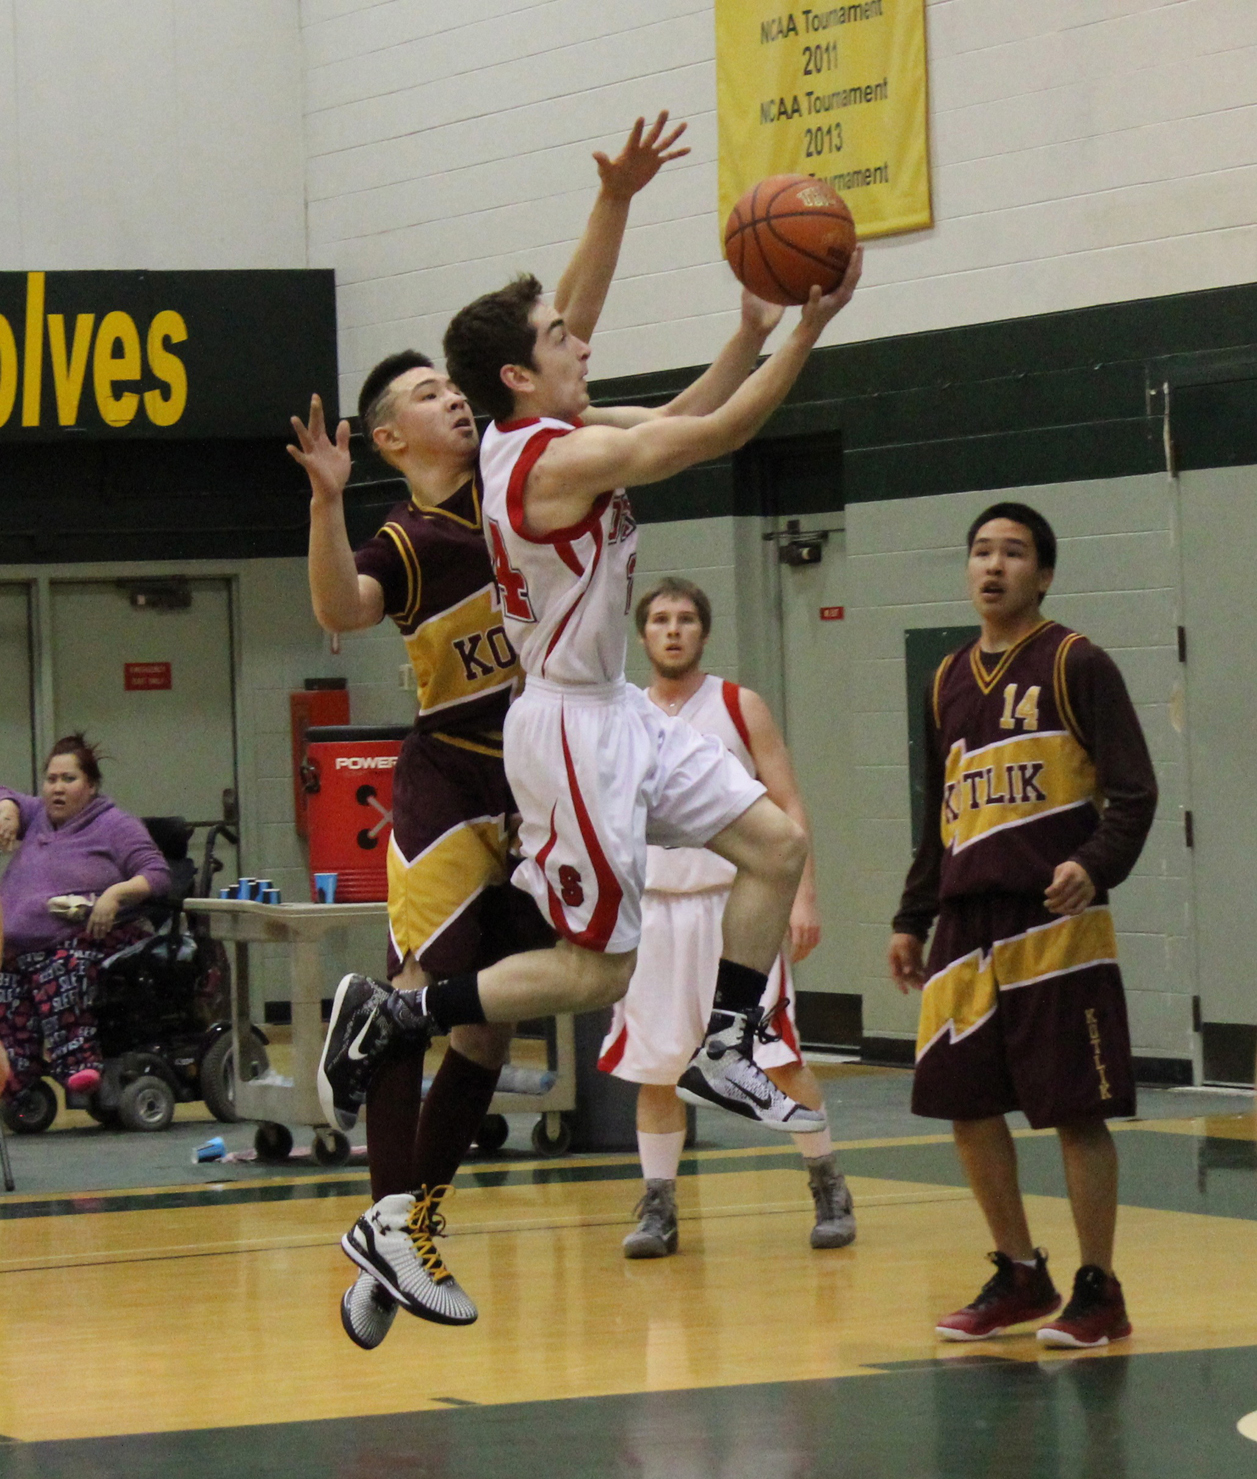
(812, 1144)
(660, 1154)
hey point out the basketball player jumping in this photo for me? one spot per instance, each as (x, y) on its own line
(450, 908)
(660, 1021)
(595, 769)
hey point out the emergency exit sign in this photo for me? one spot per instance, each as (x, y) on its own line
(144, 677)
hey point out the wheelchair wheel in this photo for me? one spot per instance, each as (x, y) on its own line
(147, 1103)
(493, 1132)
(218, 1075)
(31, 1111)
(101, 1116)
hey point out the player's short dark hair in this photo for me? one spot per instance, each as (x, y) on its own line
(373, 396)
(674, 585)
(1021, 513)
(487, 335)
(78, 745)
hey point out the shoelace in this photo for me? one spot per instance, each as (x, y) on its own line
(652, 1206)
(424, 1223)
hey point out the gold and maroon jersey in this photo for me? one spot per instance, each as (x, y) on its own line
(1034, 756)
(432, 564)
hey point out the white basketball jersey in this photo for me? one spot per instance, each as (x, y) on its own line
(565, 595)
(714, 708)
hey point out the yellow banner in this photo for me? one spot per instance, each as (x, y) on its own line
(838, 92)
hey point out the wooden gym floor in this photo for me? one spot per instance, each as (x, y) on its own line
(195, 1328)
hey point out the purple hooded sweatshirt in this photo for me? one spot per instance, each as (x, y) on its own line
(101, 846)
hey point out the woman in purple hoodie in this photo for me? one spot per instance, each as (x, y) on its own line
(73, 841)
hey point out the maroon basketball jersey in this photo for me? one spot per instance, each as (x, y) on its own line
(1020, 791)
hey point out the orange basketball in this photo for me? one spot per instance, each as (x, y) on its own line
(787, 234)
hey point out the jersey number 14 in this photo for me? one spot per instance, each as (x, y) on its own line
(512, 587)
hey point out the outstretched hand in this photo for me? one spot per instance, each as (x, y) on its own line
(327, 463)
(758, 316)
(820, 308)
(639, 161)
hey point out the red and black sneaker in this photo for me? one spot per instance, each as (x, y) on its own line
(1095, 1314)
(1013, 1295)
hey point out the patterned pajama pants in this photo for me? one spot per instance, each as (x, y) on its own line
(46, 1020)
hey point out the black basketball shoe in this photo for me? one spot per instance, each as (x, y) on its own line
(359, 1036)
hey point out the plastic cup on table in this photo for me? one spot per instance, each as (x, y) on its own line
(271, 896)
(325, 887)
(245, 888)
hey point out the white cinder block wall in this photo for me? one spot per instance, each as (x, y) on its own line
(1084, 152)
(162, 134)
(1117, 581)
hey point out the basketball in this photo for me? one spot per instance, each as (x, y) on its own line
(787, 234)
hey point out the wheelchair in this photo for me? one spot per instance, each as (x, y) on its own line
(163, 1010)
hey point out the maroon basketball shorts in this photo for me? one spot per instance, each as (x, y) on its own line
(1025, 1010)
(449, 899)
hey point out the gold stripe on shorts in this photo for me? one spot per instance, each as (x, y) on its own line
(465, 744)
(1053, 949)
(427, 892)
(960, 997)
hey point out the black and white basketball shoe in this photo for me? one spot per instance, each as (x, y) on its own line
(394, 1243)
(363, 1028)
(723, 1074)
(367, 1311)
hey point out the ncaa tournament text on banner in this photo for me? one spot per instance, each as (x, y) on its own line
(838, 92)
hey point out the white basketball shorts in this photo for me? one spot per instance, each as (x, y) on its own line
(597, 772)
(658, 1025)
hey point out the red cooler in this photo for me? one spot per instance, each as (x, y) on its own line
(348, 778)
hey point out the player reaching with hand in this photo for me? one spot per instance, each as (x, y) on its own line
(451, 910)
(595, 769)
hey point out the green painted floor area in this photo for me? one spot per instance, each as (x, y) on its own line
(1169, 1173)
(1165, 1172)
(1140, 1417)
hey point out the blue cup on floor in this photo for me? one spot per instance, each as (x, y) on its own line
(325, 887)
(212, 1150)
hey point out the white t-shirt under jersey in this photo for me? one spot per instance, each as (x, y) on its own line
(713, 708)
(565, 595)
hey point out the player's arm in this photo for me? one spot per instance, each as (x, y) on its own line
(575, 469)
(344, 601)
(582, 289)
(1114, 738)
(716, 384)
(772, 761)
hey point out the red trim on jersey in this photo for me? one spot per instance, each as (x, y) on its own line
(533, 448)
(732, 696)
(610, 1060)
(598, 931)
(518, 424)
(596, 531)
(570, 558)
